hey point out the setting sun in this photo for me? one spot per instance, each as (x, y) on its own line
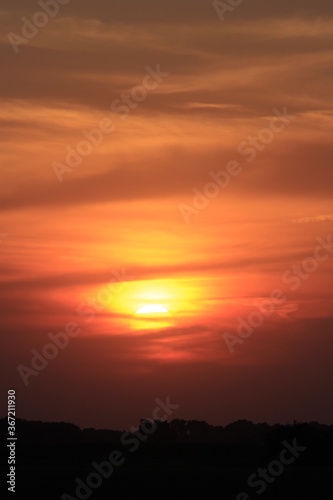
(152, 309)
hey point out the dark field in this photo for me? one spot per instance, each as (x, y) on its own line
(165, 467)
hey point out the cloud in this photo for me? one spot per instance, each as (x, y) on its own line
(317, 218)
(292, 170)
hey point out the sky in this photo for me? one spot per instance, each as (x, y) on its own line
(166, 213)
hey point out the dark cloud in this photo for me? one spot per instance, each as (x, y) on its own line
(175, 11)
(297, 169)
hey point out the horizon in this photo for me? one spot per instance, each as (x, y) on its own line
(271, 425)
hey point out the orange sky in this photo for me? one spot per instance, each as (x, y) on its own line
(119, 214)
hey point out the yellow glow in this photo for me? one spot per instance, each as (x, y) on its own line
(132, 296)
(158, 303)
(152, 309)
(152, 304)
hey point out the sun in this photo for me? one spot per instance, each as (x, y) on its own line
(152, 309)
(152, 304)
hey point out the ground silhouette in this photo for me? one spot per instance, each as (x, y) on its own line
(160, 459)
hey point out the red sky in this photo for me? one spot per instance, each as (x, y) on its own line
(131, 211)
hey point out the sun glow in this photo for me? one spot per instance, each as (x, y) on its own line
(150, 297)
(155, 304)
(152, 309)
